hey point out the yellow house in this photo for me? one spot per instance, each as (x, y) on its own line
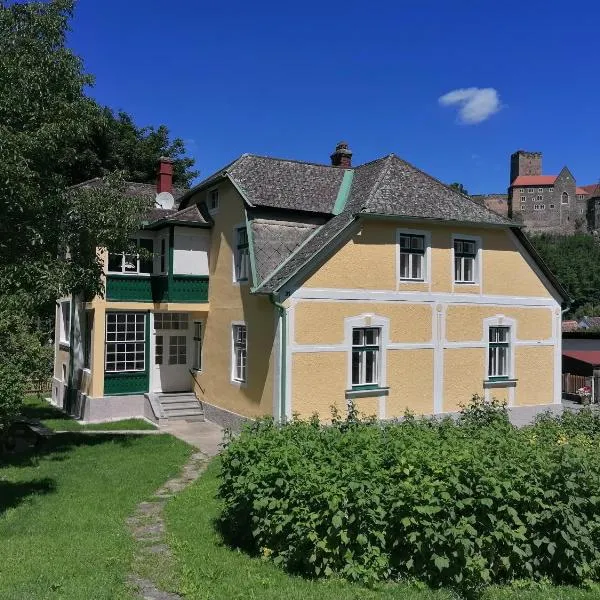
(321, 284)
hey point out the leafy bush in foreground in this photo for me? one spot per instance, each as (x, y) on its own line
(462, 503)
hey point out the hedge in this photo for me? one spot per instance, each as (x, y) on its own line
(456, 503)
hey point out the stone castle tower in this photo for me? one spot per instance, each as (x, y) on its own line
(525, 163)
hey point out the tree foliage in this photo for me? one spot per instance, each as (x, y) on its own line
(459, 187)
(575, 260)
(51, 135)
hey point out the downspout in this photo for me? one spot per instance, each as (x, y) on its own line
(282, 357)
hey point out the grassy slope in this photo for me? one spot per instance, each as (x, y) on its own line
(63, 511)
(208, 570)
(36, 408)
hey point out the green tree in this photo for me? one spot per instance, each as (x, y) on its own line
(45, 121)
(117, 143)
(459, 187)
(575, 260)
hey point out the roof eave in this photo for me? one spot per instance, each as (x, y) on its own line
(386, 217)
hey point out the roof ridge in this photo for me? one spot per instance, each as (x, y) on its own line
(292, 160)
(465, 196)
(387, 160)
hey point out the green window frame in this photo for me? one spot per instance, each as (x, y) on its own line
(366, 357)
(499, 352)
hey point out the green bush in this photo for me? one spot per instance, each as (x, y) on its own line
(459, 503)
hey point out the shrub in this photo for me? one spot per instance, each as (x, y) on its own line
(462, 504)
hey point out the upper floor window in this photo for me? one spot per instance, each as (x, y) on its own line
(523, 198)
(540, 190)
(531, 190)
(540, 198)
(539, 206)
(499, 352)
(213, 200)
(64, 327)
(242, 255)
(551, 189)
(366, 351)
(123, 262)
(412, 257)
(564, 198)
(465, 259)
(239, 353)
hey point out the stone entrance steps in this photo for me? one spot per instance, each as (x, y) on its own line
(183, 406)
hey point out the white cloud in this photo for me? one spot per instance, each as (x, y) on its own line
(474, 104)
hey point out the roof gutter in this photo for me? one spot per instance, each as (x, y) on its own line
(282, 357)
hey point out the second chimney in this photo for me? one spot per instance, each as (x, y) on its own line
(164, 180)
(342, 157)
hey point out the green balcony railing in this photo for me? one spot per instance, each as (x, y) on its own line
(157, 288)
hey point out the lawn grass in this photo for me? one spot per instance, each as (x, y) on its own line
(63, 512)
(53, 418)
(208, 570)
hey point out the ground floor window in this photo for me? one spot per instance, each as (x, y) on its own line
(177, 349)
(239, 358)
(365, 355)
(125, 342)
(499, 352)
(197, 346)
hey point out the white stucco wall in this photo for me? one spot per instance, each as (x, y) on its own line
(190, 251)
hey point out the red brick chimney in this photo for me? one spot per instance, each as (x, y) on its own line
(164, 179)
(342, 157)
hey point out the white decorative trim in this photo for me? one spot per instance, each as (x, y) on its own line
(344, 348)
(151, 350)
(478, 270)
(427, 256)
(439, 320)
(277, 368)
(291, 321)
(350, 295)
(367, 320)
(411, 346)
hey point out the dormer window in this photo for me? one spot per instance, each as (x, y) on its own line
(213, 200)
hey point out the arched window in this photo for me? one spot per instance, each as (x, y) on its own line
(564, 198)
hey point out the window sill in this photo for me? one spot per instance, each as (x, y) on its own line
(499, 383)
(366, 392)
(236, 383)
(121, 274)
(402, 280)
(466, 282)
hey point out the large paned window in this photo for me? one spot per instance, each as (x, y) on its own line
(499, 352)
(178, 349)
(412, 257)
(465, 258)
(239, 354)
(141, 262)
(242, 255)
(125, 342)
(197, 365)
(366, 352)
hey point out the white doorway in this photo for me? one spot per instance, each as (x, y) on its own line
(172, 353)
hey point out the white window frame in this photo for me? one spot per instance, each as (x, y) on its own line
(64, 322)
(523, 198)
(197, 346)
(234, 379)
(500, 321)
(426, 270)
(477, 267)
(209, 201)
(540, 198)
(531, 190)
(125, 342)
(540, 190)
(552, 206)
(137, 257)
(367, 320)
(235, 249)
(562, 198)
(551, 189)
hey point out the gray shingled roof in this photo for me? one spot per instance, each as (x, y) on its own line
(132, 188)
(289, 184)
(306, 252)
(403, 190)
(274, 240)
(191, 215)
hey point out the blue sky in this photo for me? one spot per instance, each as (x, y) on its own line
(291, 79)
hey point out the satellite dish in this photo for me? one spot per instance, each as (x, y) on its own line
(165, 200)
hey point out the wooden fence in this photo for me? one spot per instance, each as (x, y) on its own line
(571, 383)
(38, 386)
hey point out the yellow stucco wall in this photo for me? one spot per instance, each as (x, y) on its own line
(323, 322)
(231, 302)
(465, 323)
(534, 370)
(464, 372)
(368, 261)
(410, 379)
